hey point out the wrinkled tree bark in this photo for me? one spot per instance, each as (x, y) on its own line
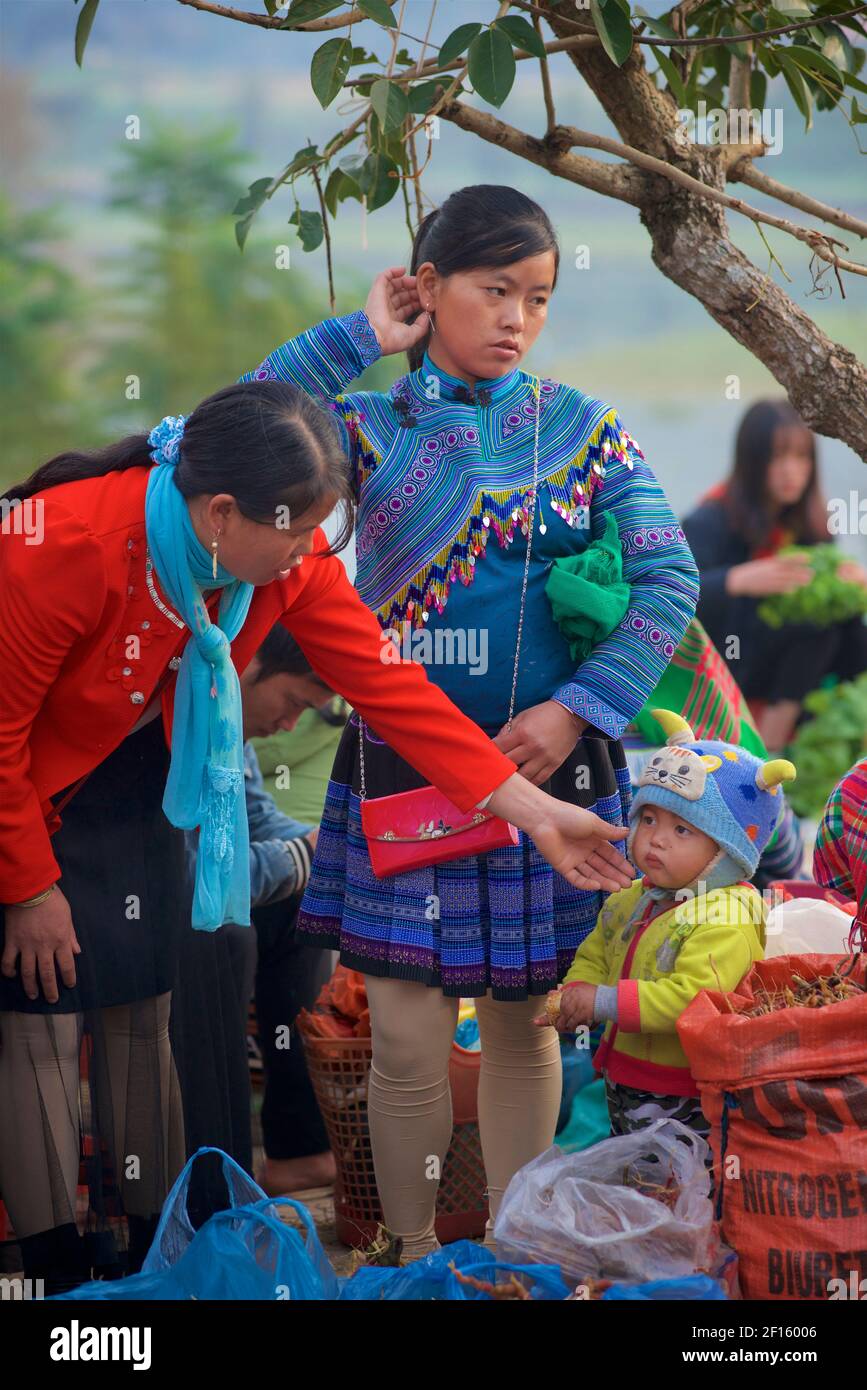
(691, 244)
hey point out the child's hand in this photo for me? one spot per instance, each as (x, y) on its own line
(552, 1009)
(576, 1007)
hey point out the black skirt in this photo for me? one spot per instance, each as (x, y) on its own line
(107, 1146)
(123, 873)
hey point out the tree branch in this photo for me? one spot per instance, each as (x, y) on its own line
(432, 69)
(550, 113)
(709, 41)
(819, 243)
(266, 21)
(612, 180)
(744, 172)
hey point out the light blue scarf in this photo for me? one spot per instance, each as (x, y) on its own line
(205, 785)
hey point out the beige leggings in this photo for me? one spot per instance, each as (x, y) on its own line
(132, 1070)
(409, 1101)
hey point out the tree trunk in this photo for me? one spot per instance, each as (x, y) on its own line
(825, 382)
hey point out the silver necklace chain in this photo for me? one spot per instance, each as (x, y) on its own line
(149, 580)
(530, 519)
(531, 514)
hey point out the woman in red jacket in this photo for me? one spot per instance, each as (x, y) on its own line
(108, 565)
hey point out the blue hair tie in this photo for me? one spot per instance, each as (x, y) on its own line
(165, 439)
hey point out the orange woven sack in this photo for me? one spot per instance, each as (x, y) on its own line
(786, 1095)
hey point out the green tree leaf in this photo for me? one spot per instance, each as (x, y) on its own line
(329, 68)
(827, 72)
(656, 26)
(378, 10)
(352, 166)
(614, 29)
(254, 197)
(792, 10)
(672, 76)
(458, 40)
(390, 103)
(311, 228)
(492, 66)
(422, 97)
(302, 11)
(378, 180)
(83, 28)
(331, 191)
(794, 80)
(758, 90)
(852, 81)
(522, 33)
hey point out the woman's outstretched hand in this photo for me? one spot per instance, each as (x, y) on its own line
(392, 300)
(577, 843)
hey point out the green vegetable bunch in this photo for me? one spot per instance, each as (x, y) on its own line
(826, 747)
(824, 600)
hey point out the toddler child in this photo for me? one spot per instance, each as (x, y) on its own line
(702, 814)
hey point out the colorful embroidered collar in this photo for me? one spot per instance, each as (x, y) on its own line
(431, 493)
(454, 388)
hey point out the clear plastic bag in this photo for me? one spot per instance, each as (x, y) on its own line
(806, 925)
(586, 1213)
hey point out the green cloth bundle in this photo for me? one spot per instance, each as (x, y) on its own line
(587, 592)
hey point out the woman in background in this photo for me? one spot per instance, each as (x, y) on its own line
(771, 499)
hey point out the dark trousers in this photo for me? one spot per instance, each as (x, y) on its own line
(289, 976)
(788, 662)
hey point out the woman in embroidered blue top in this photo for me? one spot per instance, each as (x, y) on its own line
(443, 469)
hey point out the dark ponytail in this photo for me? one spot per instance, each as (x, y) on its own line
(267, 443)
(131, 452)
(485, 224)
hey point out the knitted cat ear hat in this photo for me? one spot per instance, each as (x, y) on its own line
(721, 789)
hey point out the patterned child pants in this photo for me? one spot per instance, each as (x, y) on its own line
(630, 1110)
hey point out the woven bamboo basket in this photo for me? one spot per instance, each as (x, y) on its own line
(339, 1069)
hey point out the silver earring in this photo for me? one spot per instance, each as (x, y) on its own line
(429, 313)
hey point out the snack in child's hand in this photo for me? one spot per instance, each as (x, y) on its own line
(552, 1005)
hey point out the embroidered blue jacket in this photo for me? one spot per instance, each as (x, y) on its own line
(442, 477)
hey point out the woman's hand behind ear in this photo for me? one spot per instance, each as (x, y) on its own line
(392, 300)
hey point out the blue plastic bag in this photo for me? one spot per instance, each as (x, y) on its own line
(588, 1121)
(467, 1034)
(245, 1252)
(431, 1277)
(578, 1072)
(698, 1286)
(175, 1231)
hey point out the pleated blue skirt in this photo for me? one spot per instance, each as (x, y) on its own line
(503, 921)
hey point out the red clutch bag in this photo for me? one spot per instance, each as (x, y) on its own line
(412, 830)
